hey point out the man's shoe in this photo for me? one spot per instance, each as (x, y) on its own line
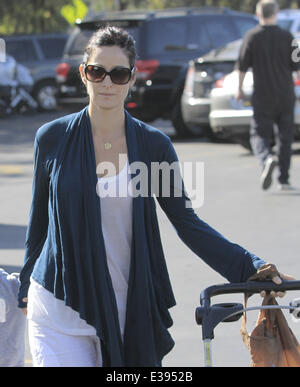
(266, 177)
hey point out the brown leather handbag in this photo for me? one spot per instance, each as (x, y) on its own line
(271, 343)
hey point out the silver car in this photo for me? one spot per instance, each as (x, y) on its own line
(229, 118)
(202, 75)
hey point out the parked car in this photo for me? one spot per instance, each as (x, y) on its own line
(41, 54)
(229, 118)
(205, 72)
(166, 41)
(289, 19)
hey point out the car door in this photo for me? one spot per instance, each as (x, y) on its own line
(166, 37)
(165, 40)
(50, 51)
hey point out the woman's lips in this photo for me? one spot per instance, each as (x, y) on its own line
(106, 94)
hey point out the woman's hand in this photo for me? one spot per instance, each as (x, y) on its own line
(278, 281)
(269, 272)
(25, 309)
(240, 95)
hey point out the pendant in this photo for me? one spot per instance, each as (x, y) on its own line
(108, 146)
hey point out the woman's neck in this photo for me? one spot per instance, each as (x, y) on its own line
(107, 123)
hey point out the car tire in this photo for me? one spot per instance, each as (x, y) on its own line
(45, 95)
(183, 130)
(244, 141)
(179, 125)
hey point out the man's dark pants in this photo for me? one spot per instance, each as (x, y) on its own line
(263, 132)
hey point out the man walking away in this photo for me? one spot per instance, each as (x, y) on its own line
(268, 50)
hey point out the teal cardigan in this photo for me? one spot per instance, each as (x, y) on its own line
(65, 250)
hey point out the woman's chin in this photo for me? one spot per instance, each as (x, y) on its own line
(106, 105)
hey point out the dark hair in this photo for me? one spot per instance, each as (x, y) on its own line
(267, 8)
(112, 36)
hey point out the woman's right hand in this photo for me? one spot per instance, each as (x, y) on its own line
(25, 309)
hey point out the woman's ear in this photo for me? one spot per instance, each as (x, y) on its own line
(133, 79)
(83, 78)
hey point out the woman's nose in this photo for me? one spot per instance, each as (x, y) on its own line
(107, 81)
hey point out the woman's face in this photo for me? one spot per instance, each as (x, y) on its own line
(107, 95)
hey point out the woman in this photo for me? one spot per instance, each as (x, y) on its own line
(94, 264)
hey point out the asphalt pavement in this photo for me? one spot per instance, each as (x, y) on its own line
(266, 223)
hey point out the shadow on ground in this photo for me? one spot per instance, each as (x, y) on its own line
(12, 237)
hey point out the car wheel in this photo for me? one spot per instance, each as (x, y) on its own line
(183, 130)
(177, 120)
(244, 141)
(45, 95)
(297, 133)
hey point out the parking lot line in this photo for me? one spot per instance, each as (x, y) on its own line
(11, 169)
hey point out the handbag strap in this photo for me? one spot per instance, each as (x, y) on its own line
(268, 300)
(244, 332)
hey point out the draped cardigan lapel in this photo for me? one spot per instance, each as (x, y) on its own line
(146, 339)
(85, 284)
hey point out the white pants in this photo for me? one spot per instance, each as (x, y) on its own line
(50, 348)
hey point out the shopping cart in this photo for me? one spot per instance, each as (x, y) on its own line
(209, 316)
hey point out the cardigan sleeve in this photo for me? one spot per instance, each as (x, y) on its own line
(229, 259)
(38, 221)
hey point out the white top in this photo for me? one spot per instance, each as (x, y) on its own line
(116, 219)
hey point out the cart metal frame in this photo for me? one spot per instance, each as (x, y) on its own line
(209, 316)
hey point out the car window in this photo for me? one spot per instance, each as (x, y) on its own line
(165, 36)
(52, 48)
(22, 50)
(244, 24)
(221, 30)
(79, 42)
(198, 36)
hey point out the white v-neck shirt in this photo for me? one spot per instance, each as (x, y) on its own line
(116, 219)
(116, 222)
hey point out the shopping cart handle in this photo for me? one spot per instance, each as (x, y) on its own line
(210, 316)
(251, 287)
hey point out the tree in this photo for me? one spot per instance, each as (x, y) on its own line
(39, 16)
(32, 16)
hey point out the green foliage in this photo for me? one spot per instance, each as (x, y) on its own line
(241, 5)
(40, 16)
(32, 16)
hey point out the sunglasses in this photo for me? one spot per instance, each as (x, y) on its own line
(118, 75)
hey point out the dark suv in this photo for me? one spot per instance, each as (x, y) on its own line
(166, 41)
(41, 54)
